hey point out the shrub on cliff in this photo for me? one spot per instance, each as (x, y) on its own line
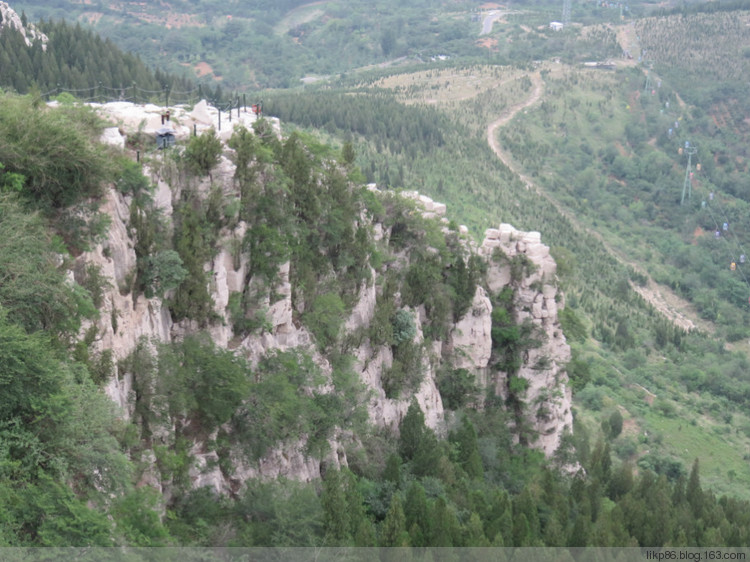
(56, 150)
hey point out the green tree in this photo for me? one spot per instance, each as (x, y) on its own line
(33, 291)
(203, 153)
(446, 531)
(50, 515)
(164, 272)
(336, 515)
(412, 431)
(137, 519)
(499, 521)
(417, 515)
(579, 535)
(474, 533)
(457, 388)
(193, 243)
(694, 493)
(348, 155)
(614, 424)
(360, 526)
(393, 529)
(392, 471)
(465, 438)
(324, 318)
(201, 381)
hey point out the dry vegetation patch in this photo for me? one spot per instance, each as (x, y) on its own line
(449, 85)
(203, 69)
(708, 44)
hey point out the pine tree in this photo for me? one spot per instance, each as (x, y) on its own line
(392, 471)
(445, 527)
(360, 526)
(693, 492)
(465, 437)
(579, 535)
(500, 519)
(601, 462)
(393, 530)
(621, 481)
(521, 531)
(474, 533)
(554, 534)
(411, 431)
(348, 155)
(525, 504)
(417, 515)
(336, 522)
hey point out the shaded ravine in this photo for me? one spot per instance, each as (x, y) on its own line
(673, 307)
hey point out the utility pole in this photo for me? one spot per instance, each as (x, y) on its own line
(566, 13)
(687, 186)
(649, 64)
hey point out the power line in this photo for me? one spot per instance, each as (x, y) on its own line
(724, 232)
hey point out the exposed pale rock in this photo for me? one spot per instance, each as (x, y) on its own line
(286, 461)
(492, 234)
(471, 338)
(112, 137)
(364, 310)
(11, 20)
(548, 395)
(150, 476)
(163, 198)
(200, 113)
(205, 472)
(147, 118)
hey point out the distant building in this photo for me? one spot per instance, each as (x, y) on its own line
(606, 65)
(555, 26)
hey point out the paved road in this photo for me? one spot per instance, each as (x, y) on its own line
(489, 19)
(492, 17)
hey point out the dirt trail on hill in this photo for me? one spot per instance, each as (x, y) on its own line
(676, 309)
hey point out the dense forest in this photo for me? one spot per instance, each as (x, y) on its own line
(79, 62)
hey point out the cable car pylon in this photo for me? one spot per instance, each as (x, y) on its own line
(687, 186)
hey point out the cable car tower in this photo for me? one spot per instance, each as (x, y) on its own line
(649, 64)
(687, 186)
(566, 13)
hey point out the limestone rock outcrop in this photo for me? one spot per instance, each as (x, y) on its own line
(11, 20)
(536, 299)
(127, 319)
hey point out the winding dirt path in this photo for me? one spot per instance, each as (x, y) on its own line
(508, 114)
(676, 309)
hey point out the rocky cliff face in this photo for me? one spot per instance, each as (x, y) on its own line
(10, 19)
(126, 319)
(537, 299)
